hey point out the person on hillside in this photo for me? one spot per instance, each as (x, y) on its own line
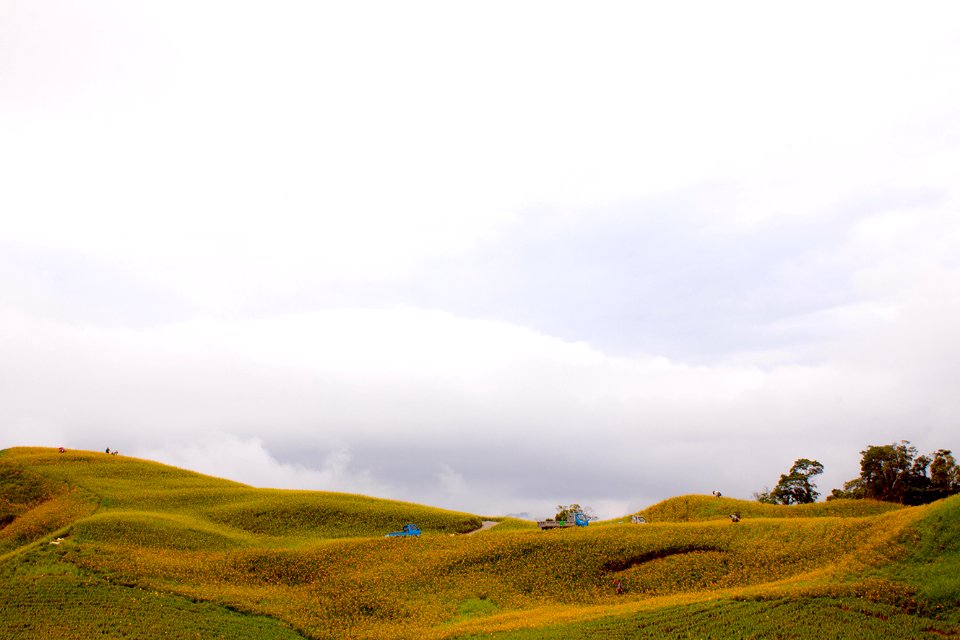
(62, 450)
(619, 586)
(735, 517)
(108, 450)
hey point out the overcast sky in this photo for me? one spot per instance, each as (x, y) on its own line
(488, 256)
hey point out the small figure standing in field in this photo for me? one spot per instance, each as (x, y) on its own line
(108, 450)
(735, 517)
(716, 493)
(619, 586)
(62, 450)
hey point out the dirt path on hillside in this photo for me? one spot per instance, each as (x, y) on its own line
(487, 524)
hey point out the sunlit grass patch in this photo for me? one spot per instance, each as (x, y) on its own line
(129, 483)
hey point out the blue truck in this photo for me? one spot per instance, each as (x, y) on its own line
(408, 530)
(579, 520)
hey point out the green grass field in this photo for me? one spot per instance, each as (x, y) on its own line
(150, 551)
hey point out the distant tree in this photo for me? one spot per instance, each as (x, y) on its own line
(795, 486)
(895, 473)
(886, 471)
(944, 474)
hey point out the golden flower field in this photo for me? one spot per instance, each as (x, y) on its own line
(150, 551)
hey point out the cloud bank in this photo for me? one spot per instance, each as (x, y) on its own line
(478, 414)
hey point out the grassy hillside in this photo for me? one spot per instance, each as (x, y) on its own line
(901, 582)
(131, 490)
(699, 508)
(230, 561)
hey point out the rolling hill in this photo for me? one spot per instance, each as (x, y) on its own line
(93, 545)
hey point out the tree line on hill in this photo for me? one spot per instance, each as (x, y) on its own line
(890, 472)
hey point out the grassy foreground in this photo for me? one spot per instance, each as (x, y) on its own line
(150, 551)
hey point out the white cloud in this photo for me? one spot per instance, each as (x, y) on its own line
(221, 397)
(288, 240)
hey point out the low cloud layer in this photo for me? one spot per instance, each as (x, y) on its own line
(480, 415)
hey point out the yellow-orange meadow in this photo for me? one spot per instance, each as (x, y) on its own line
(318, 565)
